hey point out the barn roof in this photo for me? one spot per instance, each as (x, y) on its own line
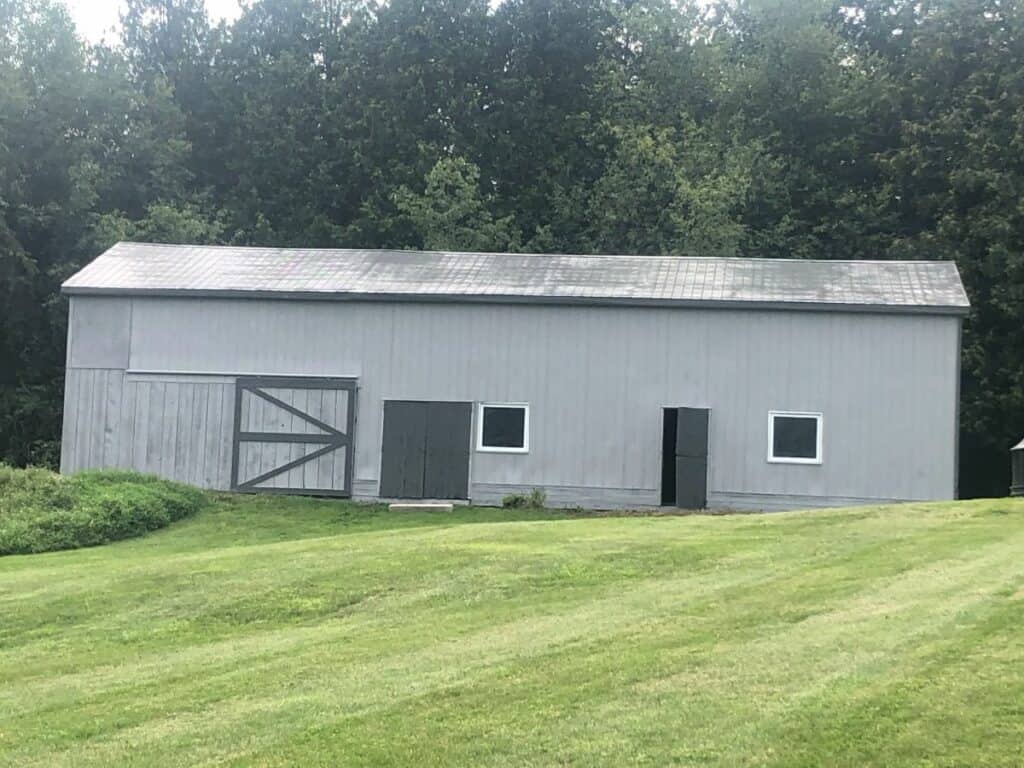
(153, 269)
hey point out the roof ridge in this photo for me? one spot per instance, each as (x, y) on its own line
(666, 256)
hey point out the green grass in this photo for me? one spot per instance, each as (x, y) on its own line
(41, 511)
(271, 631)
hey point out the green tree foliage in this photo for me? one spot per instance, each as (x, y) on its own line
(669, 190)
(773, 128)
(46, 191)
(452, 213)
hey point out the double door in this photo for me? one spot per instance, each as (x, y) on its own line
(425, 449)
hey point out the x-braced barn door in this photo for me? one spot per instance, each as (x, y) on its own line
(294, 435)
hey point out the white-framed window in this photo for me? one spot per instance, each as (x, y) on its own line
(794, 437)
(503, 428)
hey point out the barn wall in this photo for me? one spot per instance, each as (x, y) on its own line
(100, 328)
(596, 379)
(177, 427)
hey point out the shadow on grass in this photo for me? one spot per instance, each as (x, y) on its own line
(377, 516)
(239, 519)
(242, 520)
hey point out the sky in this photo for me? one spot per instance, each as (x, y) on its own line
(96, 19)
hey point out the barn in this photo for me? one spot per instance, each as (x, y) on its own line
(606, 381)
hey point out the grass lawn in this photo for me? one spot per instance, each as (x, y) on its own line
(272, 631)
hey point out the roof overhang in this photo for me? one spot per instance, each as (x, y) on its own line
(438, 298)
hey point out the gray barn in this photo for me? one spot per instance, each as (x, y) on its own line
(607, 381)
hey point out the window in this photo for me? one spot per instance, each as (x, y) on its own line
(503, 428)
(794, 437)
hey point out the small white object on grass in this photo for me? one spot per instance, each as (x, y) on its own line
(422, 506)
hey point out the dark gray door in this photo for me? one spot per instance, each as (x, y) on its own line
(403, 450)
(425, 450)
(446, 467)
(692, 458)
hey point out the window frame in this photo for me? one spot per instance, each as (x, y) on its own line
(481, 448)
(819, 431)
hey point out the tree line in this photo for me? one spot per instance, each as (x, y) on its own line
(858, 129)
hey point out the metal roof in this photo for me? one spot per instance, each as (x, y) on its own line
(153, 269)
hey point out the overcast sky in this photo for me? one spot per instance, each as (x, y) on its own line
(96, 18)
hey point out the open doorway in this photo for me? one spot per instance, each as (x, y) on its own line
(684, 457)
(670, 423)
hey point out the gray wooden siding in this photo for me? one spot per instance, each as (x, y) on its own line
(596, 379)
(176, 427)
(99, 330)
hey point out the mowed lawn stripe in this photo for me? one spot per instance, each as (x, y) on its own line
(725, 687)
(388, 604)
(599, 641)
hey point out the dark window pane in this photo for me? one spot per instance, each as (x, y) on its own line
(795, 437)
(504, 427)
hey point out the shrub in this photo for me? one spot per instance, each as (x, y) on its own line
(41, 511)
(535, 500)
(514, 501)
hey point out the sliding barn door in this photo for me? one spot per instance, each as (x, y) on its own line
(294, 435)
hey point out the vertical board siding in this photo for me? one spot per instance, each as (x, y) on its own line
(178, 430)
(183, 430)
(596, 379)
(125, 436)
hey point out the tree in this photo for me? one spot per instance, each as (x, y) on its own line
(770, 128)
(452, 214)
(670, 192)
(165, 39)
(956, 173)
(46, 188)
